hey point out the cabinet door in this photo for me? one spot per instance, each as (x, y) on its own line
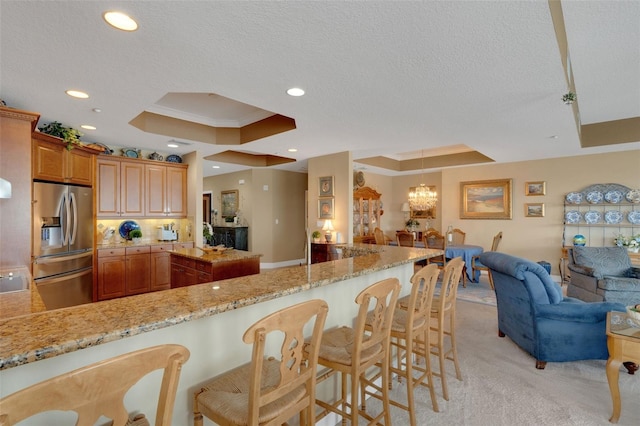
(138, 273)
(176, 201)
(48, 161)
(132, 189)
(155, 180)
(111, 277)
(160, 268)
(79, 167)
(181, 276)
(108, 188)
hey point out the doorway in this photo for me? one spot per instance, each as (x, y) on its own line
(206, 207)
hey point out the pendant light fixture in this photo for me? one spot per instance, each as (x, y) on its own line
(421, 198)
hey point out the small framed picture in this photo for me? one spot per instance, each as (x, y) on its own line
(325, 208)
(534, 209)
(326, 186)
(535, 188)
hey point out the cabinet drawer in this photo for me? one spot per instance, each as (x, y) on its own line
(111, 252)
(183, 261)
(161, 248)
(138, 250)
(204, 267)
(177, 246)
(204, 277)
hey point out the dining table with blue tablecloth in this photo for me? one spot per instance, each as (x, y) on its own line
(466, 251)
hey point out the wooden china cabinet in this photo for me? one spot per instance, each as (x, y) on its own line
(367, 209)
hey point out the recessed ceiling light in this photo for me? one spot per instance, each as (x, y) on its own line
(292, 150)
(295, 91)
(120, 21)
(88, 127)
(215, 167)
(77, 94)
(172, 145)
(96, 110)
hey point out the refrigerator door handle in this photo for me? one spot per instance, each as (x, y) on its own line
(74, 230)
(57, 259)
(64, 218)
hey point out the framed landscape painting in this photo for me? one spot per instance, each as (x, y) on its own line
(486, 199)
(535, 188)
(534, 209)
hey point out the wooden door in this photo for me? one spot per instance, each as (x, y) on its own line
(176, 192)
(108, 188)
(155, 180)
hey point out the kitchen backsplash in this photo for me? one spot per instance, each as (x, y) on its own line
(149, 227)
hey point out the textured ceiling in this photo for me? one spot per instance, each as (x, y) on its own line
(382, 78)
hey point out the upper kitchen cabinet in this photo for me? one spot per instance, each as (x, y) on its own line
(120, 188)
(166, 190)
(53, 162)
(140, 188)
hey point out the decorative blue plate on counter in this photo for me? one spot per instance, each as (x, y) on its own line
(592, 217)
(574, 198)
(613, 197)
(174, 158)
(572, 216)
(613, 216)
(595, 197)
(126, 227)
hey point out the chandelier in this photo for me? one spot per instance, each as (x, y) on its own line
(422, 198)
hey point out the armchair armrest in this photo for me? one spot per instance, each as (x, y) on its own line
(578, 312)
(635, 271)
(584, 270)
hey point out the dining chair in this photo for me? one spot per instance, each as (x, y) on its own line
(476, 265)
(99, 389)
(409, 323)
(458, 236)
(379, 235)
(269, 390)
(435, 240)
(405, 239)
(354, 351)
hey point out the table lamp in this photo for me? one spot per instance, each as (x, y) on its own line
(327, 228)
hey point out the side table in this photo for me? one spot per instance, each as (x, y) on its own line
(623, 341)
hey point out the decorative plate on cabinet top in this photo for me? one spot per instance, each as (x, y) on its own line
(633, 196)
(572, 216)
(613, 197)
(634, 217)
(574, 198)
(592, 217)
(131, 152)
(594, 197)
(613, 216)
(174, 158)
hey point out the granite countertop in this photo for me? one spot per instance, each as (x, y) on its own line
(214, 257)
(40, 335)
(20, 302)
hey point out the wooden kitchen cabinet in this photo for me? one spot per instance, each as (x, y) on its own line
(160, 267)
(166, 190)
(120, 188)
(111, 273)
(323, 252)
(53, 162)
(138, 270)
(186, 271)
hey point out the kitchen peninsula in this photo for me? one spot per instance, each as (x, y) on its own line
(191, 266)
(209, 319)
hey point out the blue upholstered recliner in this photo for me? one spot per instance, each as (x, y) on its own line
(534, 314)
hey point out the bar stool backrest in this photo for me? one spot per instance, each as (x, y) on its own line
(99, 389)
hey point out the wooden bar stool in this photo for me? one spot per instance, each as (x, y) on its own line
(99, 389)
(352, 351)
(443, 309)
(408, 325)
(269, 391)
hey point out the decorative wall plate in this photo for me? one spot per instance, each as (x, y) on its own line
(594, 197)
(634, 217)
(126, 227)
(130, 152)
(633, 196)
(613, 216)
(613, 197)
(174, 158)
(592, 216)
(574, 198)
(572, 216)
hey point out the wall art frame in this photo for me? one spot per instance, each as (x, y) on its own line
(535, 188)
(325, 208)
(229, 203)
(486, 199)
(325, 186)
(534, 209)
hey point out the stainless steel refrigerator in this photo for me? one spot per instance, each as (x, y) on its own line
(63, 244)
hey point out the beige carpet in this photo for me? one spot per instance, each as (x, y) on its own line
(501, 385)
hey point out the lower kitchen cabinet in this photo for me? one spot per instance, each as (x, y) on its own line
(186, 271)
(138, 270)
(111, 273)
(160, 267)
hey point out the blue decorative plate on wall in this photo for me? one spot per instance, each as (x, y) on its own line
(126, 227)
(595, 197)
(613, 197)
(574, 198)
(174, 158)
(572, 216)
(592, 217)
(613, 216)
